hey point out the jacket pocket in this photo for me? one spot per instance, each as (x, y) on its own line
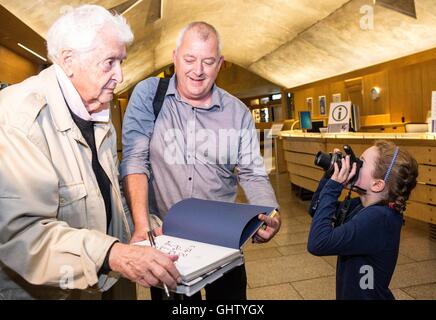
(70, 193)
(72, 206)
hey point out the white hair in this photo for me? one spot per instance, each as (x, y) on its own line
(203, 29)
(79, 28)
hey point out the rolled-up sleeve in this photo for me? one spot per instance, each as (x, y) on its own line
(138, 126)
(251, 171)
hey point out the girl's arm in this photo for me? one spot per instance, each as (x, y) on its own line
(363, 234)
(315, 198)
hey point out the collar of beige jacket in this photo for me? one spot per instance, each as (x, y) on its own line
(58, 108)
(55, 100)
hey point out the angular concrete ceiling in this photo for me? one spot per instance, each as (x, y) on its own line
(288, 42)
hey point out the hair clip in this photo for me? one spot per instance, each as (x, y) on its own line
(392, 164)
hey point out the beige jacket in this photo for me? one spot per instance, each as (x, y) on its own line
(52, 216)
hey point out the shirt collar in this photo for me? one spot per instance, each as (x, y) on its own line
(216, 97)
(74, 101)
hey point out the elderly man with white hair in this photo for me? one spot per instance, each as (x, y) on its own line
(62, 223)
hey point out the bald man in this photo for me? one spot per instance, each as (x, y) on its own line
(181, 153)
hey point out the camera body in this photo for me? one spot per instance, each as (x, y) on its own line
(327, 161)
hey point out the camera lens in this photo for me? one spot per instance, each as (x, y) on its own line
(323, 160)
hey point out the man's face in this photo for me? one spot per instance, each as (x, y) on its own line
(197, 63)
(96, 74)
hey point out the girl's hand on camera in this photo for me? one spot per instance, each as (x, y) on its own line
(344, 175)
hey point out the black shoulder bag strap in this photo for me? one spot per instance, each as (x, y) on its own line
(159, 97)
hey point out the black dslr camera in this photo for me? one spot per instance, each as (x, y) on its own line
(327, 161)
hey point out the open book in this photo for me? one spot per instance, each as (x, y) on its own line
(207, 236)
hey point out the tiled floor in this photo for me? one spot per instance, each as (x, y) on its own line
(283, 269)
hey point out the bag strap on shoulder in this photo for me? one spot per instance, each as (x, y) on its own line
(160, 96)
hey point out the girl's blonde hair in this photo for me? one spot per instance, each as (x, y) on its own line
(402, 178)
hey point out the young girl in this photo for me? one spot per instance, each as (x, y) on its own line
(368, 240)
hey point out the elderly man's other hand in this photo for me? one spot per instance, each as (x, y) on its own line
(272, 227)
(144, 265)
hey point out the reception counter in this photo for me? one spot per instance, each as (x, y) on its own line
(300, 149)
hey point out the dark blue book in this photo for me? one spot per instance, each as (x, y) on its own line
(207, 236)
(215, 222)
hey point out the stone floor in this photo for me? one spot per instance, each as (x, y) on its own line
(283, 269)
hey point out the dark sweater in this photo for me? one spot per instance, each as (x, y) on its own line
(104, 184)
(368, 240)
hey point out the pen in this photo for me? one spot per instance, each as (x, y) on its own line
(153, 244)
(275, 213)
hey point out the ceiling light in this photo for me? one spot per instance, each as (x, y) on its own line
(276, 96)
(32, 52)
(125, 7)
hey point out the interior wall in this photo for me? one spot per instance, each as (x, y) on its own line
(14, 68)
(406, 85)
(428, 77)
(235, 79)
(242, 83)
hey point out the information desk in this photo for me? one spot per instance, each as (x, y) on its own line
(300, 150)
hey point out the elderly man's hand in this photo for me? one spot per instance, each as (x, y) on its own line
(272, 227)
(144, 265)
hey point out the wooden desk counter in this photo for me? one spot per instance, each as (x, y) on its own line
(300, 150)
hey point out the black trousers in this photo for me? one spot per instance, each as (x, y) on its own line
(231, 286)
(123, 290)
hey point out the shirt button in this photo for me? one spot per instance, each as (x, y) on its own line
(190, 179)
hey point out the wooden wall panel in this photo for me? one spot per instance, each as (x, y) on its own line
(336, 87)
(428, 73)
(381, 105)
(406, 85)
(14, 68)
(300, 99)
(405, 94)
(354, 88)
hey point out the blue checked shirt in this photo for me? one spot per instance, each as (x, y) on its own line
(191, 151)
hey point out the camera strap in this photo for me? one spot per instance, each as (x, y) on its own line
(340, 218)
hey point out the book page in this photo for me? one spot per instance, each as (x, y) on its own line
(195, 258)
